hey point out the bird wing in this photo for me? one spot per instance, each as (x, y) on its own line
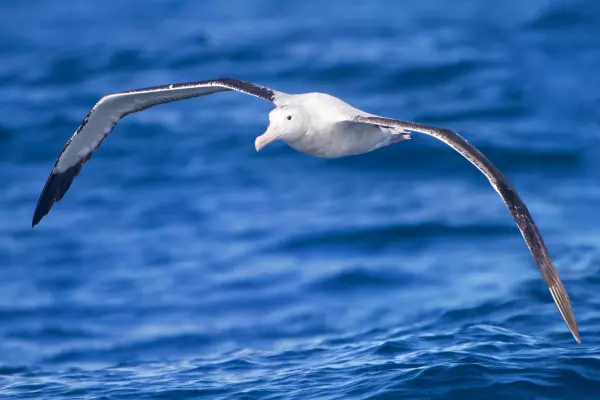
(111, 108)
(511, 198)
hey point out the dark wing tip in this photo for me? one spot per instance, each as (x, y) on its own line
(56, 186)
(561, 298)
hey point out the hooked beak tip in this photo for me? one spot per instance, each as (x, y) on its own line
(264, 139)
(259, 144)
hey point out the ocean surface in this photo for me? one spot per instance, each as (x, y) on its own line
(184, 265)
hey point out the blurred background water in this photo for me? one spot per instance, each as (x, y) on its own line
(182, 264)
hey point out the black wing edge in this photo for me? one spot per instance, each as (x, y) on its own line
(540, 253)
(230, 83)
(514, 203)
(55, 188)
(249, 88)
(59, 182)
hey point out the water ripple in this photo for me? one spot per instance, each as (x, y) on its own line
(182, 264)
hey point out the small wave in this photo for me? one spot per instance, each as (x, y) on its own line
(168, 346)
(561, 16)
(486, 114)
(13, 370)
(52, 334)
(434, 157)
(364, 279)
(422, 75)
(376, 237)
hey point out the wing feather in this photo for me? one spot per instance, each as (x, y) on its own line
(111, 108)
(511, 198)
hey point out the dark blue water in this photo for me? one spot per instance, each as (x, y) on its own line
(182, 264)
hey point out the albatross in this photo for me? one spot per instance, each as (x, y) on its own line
(317, 124)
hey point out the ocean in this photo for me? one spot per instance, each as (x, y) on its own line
(182, 264)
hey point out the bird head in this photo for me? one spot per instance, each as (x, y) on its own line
(287, 123)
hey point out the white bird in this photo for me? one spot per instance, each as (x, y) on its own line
(314, 123)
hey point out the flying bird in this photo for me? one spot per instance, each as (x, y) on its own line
(317, 124)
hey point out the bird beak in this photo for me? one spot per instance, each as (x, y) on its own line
(266, 138)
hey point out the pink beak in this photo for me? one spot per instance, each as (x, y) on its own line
(266, 138)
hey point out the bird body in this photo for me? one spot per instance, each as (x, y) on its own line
(331, 132)
(343, 139)
(314, 123)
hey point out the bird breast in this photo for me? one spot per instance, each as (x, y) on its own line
(341, 139)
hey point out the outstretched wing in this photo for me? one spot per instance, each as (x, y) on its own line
(510, 197)
(111, 108)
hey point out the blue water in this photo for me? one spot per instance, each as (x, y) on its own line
(182, 264)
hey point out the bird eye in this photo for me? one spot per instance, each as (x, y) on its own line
(289, 117)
